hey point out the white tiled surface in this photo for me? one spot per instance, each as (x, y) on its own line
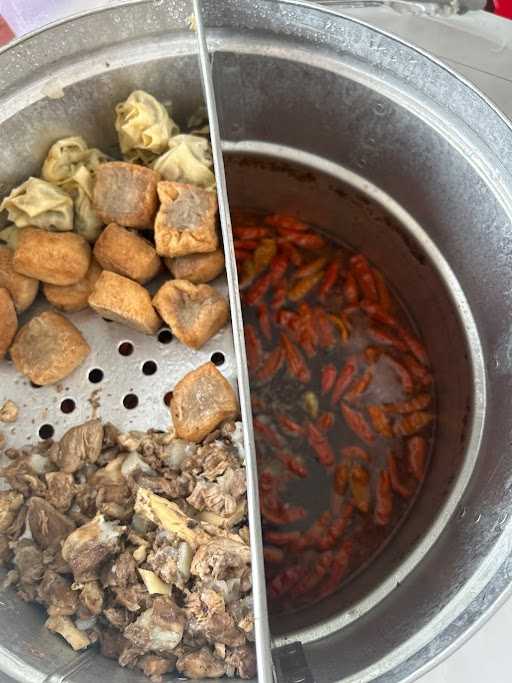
(484, 56)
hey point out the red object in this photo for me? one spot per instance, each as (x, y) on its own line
(503, 8)
(5, 32)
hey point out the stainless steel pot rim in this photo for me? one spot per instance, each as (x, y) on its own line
(490, 587)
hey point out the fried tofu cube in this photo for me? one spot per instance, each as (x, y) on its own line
(126, 194)
(193, 312)
(58, 258)
(48, 348)
(201, 401)
(185, 223)
(123, 252)
(197, 268)
(120, 299)
(8, 321)
(73, 298)
(23, 289)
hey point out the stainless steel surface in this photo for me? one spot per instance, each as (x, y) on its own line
(434, 8)
(360, 108)
(261, 625)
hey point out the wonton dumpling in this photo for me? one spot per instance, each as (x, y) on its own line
(71, 164)
(39, 204)
(144, 127)
(87, 222)
(189, 160)
(66, 157)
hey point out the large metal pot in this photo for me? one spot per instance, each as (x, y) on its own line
(348, 112)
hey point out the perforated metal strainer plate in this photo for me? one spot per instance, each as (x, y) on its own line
(126, 379)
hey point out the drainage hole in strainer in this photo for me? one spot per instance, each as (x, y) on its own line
(95, 376)
(217, 358)
(125, 348)
(149, 367)
(46, 431)
(167, 398)
(130, 401)
(165, 336)
(67, 405)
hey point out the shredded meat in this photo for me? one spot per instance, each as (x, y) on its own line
(137, 541)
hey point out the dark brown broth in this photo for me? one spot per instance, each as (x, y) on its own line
(324, 561)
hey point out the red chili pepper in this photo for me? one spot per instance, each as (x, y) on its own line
(283, 513)
(359, 386)
(418, 371)
(376, 312)
(305, 240)
(250, 233)
(296, 364)
(337, 528)
(292, 253)
(339, 569)
(419, 402)
(356, 452)
(402, 373)
(414, 345)
(288, 319)
(271, 366)
(417, 456)
(280, 220)
(241, 255)
(290, 426)
(253, 347)
(325, 422)
(281, 538)
(341, 477)
(301, 288)
(279, 297)
(293, 463)
(383, 500)
(383, 336)
(325, 329)
(320, 444)
(273, 555)
(310, 268)
(314, 577)
(268, 433)
(258, 290)
(413, 422)
(350, 290)
(344, 379)
(330, 277)
(328, 378)
(364, 276)
(250, 245)
(278, 267)
(394, 475)
(385, 300)
(284, 582)
(264, 320)
(380, 421)
(357, 423)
